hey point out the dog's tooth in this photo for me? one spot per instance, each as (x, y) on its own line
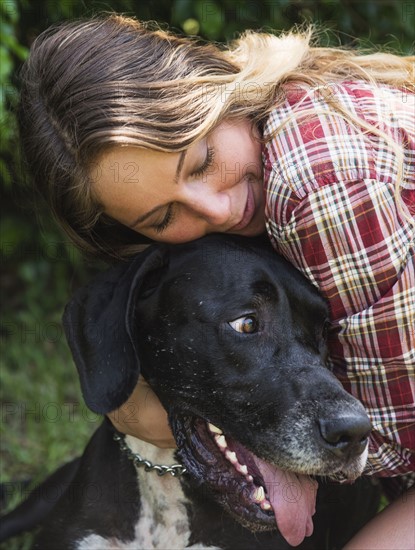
(214, 429)
(243, 469)
(259, 494)
(250, 478)
(265, 505)
(221, 441)
(231, 456)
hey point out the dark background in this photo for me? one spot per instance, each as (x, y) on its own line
(44, 421)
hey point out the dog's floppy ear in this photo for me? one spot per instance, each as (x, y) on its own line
(97, 324)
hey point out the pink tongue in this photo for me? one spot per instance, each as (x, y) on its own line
(293, 498)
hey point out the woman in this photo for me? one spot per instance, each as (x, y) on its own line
(133, 134)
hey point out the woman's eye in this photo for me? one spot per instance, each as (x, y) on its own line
(166, 221)
(207, 163)
(245, 325)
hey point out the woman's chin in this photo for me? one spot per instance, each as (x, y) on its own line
(254, 229)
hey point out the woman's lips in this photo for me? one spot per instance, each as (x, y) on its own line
(248, 212)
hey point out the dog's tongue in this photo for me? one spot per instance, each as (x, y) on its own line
(293, 498)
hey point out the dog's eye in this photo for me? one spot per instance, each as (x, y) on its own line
(245, 325)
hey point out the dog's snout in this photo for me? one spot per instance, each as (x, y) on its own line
(345, 436)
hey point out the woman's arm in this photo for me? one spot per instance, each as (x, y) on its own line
(143, 416)
(392, 529)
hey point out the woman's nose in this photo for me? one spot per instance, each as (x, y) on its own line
(213, 207)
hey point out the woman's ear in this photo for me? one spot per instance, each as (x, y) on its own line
(96, 323)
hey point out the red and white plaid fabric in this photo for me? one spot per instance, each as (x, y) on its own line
(331, 211)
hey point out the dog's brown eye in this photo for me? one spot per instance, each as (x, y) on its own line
(245, 325)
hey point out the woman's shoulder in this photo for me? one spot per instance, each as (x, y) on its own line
(308, 141)
(340, 108)
(328, 133)
(356, 96)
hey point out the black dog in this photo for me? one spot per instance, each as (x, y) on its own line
(232, 339)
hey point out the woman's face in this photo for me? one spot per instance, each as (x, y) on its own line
(214, 186)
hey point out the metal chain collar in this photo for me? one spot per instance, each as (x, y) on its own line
(174, 470)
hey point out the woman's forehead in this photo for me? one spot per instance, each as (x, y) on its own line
(131, 165)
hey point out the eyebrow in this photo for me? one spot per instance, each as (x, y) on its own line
(145, 216)
(179, 166)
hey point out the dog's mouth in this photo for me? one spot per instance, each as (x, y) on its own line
(256, 493)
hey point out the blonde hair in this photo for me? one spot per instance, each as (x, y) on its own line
(317, 67)
(92, 84)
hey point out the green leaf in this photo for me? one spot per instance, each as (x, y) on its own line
(9, 10)
(6, 64)
(211, 17)
(191, 26)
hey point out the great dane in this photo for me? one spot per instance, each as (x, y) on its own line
(233, 340)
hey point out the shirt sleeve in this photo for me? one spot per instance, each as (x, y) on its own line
(331, 211)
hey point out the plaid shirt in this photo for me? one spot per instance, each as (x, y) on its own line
(331, 211)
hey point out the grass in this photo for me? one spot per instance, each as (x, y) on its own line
(44, 421)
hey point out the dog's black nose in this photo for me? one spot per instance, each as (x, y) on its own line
(345, 436)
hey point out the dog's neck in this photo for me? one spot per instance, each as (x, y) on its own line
(164, 521)
(149, 452)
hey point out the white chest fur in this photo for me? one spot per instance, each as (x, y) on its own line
(163, 522)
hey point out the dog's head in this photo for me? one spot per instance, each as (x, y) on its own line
(233, 341)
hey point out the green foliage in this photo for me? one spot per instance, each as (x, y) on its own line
(11, 52)
(40, 268)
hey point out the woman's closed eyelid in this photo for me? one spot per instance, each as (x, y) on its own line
(166, 221)
(207, 163)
